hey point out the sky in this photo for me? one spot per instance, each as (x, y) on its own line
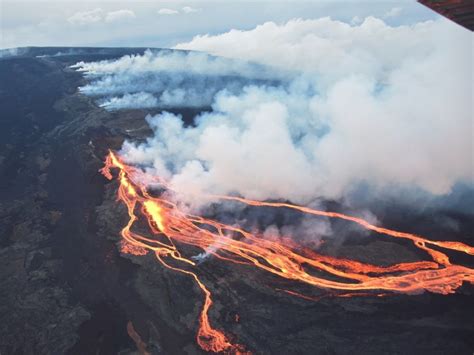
(167, 23)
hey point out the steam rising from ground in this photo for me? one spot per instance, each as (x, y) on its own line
(168, 79)
(343, 105)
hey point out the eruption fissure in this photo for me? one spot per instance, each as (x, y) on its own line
(173, 227)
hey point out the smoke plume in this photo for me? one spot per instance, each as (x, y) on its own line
(325, 107)
(168, 79)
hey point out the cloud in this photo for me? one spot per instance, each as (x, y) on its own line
(168, 12)
(349, 105)
(393, 12)
(97, 15)
(119, 15)
(86, 17)
(185, 10)
(189, 10)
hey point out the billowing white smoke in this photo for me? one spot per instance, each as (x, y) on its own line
(168, 98)
(388, 106)
(168, 79)
(333, 50)
(135, 100)
(167, 61)
(375, 104)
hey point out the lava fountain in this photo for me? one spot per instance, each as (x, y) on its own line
(173, 228)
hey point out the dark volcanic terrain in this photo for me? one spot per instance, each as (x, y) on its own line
(66, 289)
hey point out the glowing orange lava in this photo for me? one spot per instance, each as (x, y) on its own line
(172, 227)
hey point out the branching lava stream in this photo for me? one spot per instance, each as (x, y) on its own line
(172, 227)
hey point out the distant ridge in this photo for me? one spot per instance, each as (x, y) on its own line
(71, 51)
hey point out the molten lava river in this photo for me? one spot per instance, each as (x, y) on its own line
(172, 227)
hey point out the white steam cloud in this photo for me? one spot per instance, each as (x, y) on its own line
(369, 103)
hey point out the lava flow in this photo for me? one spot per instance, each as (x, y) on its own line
(171, 227)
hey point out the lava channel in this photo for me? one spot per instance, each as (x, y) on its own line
(171, 226)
